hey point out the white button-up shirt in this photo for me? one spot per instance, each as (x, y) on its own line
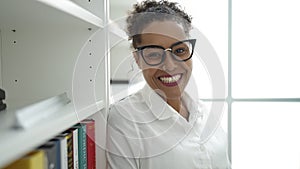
(144, 132)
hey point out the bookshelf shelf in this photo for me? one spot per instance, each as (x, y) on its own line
(75, 10)
(46, 15)
(17, 142)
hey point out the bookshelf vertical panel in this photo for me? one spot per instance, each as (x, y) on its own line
(88, 76)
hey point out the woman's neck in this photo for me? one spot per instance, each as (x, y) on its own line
(175, 103)
(179, 106)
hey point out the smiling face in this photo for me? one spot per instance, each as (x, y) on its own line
(170, 77)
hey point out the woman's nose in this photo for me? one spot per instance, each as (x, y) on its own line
(169, 63)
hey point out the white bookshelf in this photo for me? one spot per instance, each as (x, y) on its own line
(49, 47)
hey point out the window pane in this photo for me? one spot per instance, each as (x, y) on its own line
(211, 19)
(266, 135)
(265, 48)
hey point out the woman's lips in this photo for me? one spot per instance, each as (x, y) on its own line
(170, 80)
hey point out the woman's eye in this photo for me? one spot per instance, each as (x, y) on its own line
(180, 51)
(154, 55)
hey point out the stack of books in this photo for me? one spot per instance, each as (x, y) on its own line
(72, 149)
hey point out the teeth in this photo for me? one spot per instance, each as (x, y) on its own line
(171, 79)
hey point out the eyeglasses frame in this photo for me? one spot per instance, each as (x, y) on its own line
(192, 41)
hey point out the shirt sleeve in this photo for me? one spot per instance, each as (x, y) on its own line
(122, 142)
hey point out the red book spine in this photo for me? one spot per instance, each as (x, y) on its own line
(90, 143)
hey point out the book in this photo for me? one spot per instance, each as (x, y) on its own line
(51, 149)
(69, 137)
(90, 143)
(82, 154)
(33, 160)
(57, 156)
(75, 147)
(62, 138)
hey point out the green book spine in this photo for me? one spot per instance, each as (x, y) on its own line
(82, 156)
(90, 143)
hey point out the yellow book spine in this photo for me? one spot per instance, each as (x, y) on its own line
(33, 160)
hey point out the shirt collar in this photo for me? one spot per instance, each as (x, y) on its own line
(161, 110)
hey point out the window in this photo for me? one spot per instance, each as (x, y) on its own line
(257, 43)
(265, 84)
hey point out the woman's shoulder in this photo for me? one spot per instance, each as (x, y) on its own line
(120, 112)
(128, 108)
(126, 103)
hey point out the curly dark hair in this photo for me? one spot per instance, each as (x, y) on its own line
(148, 11)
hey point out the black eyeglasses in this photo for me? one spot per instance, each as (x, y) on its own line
(154, 55)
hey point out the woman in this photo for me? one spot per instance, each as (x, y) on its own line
(160, 126)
